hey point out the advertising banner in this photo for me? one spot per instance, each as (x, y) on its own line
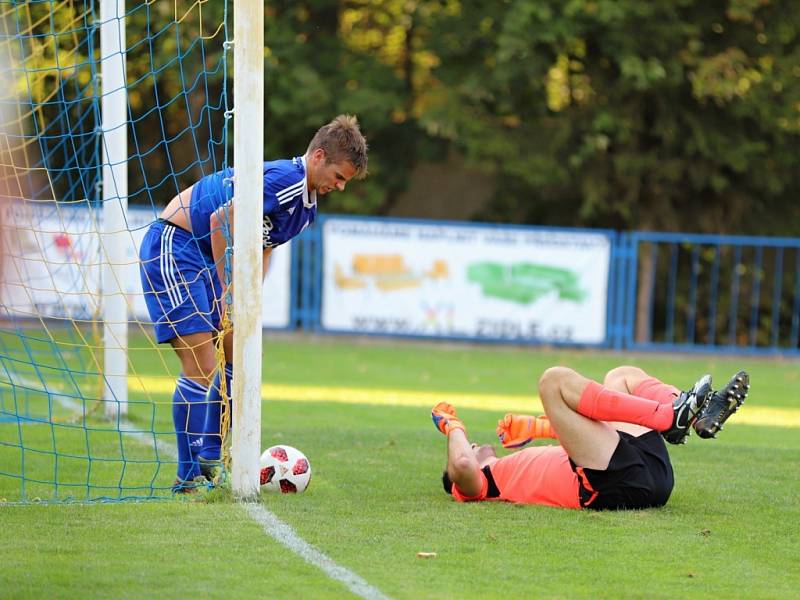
(485, 282)
(52, 266)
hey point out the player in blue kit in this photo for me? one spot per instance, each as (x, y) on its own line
(183, 263)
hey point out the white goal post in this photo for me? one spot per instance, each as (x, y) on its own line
(248, 148)
(114, 234)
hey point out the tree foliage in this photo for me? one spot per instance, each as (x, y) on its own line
(662, 114)
(665, 114)
(677, 115)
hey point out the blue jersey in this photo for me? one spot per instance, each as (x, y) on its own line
(288, 208)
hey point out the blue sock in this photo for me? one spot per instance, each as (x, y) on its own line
(188, 416)
(212, 437)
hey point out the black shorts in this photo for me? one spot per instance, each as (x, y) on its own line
(639, 475)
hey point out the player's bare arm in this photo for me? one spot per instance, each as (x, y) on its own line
(462, 464)
(221, 221)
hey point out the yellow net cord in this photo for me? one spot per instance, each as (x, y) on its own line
(225, 409)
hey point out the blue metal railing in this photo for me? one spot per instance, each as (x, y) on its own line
(666, 291)
(711, 292)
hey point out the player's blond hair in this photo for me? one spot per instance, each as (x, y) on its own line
(341, 139)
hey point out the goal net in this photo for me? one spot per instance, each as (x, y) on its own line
(106, 112)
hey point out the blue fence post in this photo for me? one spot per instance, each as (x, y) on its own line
(303, 290)
(315, 281)
(713, 294)
(795, 332)
(611, 294)
(623, 268)
(776, 298)
(632, 281)
(295, 309)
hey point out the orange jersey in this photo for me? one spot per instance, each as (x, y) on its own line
(537, 475)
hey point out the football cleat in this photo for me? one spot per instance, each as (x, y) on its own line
(721, 405)
(685, 410)
(191, 486)
(213, 470)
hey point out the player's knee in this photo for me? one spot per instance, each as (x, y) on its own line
(202, 373)
(618, 377)
(551, 381)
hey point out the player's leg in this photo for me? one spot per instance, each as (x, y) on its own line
(672, 420)
(189, 401)
(590, 443)
(219, 393)
(720, 406)
(599, 403)
(635, 381)
(615, 469)
(687, 406)
(516, 430)
(174, 277)
(219, 390)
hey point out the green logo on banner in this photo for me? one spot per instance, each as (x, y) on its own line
(525, 282)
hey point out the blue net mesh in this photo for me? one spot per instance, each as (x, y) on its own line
(58, 441)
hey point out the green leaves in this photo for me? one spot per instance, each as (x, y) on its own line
(614, 113)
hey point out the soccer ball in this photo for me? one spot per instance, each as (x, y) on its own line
(284, 469)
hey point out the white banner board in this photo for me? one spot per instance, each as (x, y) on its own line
(483, 282)
(51, 265)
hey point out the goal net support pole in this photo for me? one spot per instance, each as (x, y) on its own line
(248, 149)
(114, 236)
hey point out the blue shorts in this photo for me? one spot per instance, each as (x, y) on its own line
(180, 283)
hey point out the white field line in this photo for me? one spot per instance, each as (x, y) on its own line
(287, 536)
(271, 524)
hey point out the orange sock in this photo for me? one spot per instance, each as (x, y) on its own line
(601, 404)
(653, 389)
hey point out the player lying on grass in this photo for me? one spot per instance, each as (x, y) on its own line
(612, 453)
(183, 262)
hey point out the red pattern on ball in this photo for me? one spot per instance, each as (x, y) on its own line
(287, 487)
(300, 467)
(279, 453)
(267, 473)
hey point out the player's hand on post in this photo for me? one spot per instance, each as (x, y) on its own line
(445, 419)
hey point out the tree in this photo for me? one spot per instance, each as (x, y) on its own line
(627, 114)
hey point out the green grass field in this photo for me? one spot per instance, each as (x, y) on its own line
(361, 412)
